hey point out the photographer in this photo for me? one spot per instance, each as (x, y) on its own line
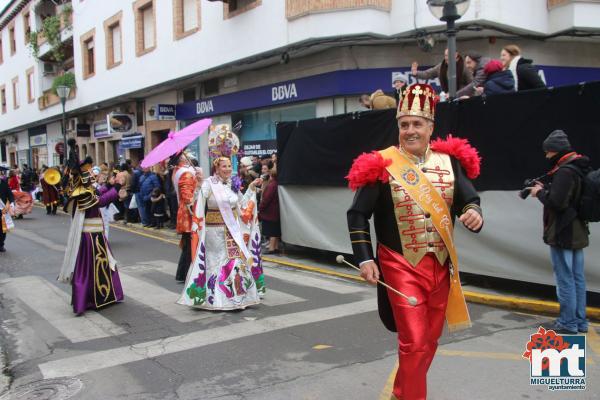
(564, 231)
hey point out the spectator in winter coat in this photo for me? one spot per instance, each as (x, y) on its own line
(476, 64)
(498, 80)
(268, 213)
(524, 73)
(565, 231)
(148, 182)
(463, 74)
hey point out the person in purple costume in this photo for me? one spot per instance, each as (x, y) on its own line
(88, 265)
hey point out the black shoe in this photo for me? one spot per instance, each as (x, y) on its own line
(560, 330)
(2, 249)
(584, 330)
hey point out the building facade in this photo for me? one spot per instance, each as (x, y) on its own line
(142, 68)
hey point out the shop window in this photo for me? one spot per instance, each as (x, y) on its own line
(12, 41)
(145, 26)
(113, 40)
(30, 86)
(262, 124)
(15, 90)
(3, 98)
(236, 7)
(88, 54)
(26, 27)
(186, 17)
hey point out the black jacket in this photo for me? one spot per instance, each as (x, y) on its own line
(376, 200)
(6, 194)
(499, 82)
(562, 226)
(528, 75)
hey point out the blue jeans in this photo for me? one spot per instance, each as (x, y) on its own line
(142, 209)
(570, 288)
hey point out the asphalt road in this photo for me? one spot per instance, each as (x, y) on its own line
(315, 337)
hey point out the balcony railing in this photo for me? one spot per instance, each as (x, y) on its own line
(64, 23)
(49, 99)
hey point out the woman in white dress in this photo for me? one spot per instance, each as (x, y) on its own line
(226, 272)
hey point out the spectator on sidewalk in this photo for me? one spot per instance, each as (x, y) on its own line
(475, 63)
(498, 80)
(565, 231)
(171, 196)
(381, 101)
(158, 208)
(135, 190)
(524, 73)
(463, 74)
(399, 85)
(268, 212)
(148, 182)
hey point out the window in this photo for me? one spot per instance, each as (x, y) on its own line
(236, 7)
(3, 98)
(30, 86)
(186, 17)
(15, 90)
(145, 26)
(1, 49)
(211, 87)
(26, 27)
(11, 38)
(189, 94)
(112, 31)
(88, 54)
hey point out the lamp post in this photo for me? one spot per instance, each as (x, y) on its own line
(449, 11)
(63, 93)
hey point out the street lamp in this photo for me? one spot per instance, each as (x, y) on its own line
(63, 93)
(449, 11)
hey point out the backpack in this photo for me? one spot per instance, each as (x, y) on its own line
(588, 208)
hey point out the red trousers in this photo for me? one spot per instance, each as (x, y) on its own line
(419, 327)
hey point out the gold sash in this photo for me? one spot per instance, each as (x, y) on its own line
(418, 187)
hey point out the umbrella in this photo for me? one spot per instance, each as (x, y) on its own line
(175, 142)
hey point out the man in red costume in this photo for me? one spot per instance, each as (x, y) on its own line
(184, 182)
(414, 192)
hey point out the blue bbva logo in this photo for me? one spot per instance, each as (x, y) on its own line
(557, 361)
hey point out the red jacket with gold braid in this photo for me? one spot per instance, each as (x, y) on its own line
(449, 165)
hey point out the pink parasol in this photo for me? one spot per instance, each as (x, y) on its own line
(175, 142)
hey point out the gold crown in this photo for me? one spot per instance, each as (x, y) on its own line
(419, 101)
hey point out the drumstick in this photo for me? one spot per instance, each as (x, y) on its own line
(411, 300)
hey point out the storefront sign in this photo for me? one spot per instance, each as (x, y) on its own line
(120, 123)
(101, 129)
(259, 147)
(343, 83)
(165, 112)
(38, 140)
(83, 130)
(132, 142)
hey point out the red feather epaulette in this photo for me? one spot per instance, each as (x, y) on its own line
(459, 148)
(367, 169)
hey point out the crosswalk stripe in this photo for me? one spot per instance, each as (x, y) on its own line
(305, 279)
(158, 298)
(272, 298)
(53, 305)
(95, 360)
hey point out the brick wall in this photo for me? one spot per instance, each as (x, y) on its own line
(300, 8)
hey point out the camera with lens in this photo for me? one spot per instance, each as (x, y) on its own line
(527, 185)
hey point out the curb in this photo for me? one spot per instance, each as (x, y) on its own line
(508, 302)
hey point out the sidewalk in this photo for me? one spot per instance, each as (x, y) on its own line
(487, 291)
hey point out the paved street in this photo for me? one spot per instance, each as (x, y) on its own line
(315, 337)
